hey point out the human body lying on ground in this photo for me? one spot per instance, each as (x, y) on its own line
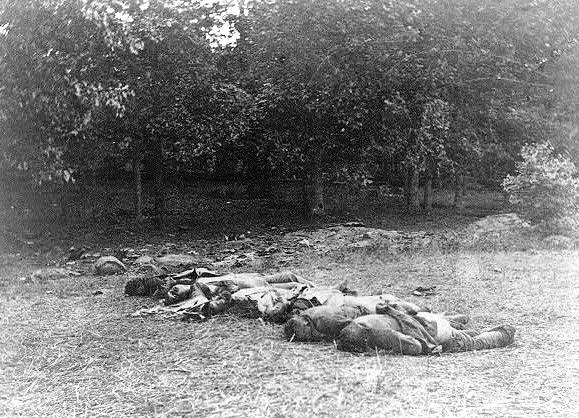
(397, 331)
(276, 297)
(310, 313)
(201, 293)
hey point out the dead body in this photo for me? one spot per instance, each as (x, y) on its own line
(393, 329)
(421, 333)
(356, 323)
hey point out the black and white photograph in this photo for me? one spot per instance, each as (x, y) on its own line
(289, 208)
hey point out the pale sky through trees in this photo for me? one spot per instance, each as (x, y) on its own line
(225, 35)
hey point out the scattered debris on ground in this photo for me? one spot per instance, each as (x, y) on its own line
(424, 291)
(493, 232)
(52, 273)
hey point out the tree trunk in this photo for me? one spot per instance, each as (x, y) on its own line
(342, 197)
(159, 197)
(138, 203)
(63, 202)
(159, 138)
(428, 177)
(459, 192)
(314, 187)
(94, 179)
(411, 189)
(506, 199)
(265, 190)
(313, 198)
(259, 185)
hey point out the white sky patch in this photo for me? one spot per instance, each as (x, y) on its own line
(124, 17)
(144, 5)
(224, 34)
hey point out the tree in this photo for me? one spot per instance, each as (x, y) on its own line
(143, 60)
(41, 62)
(316, 67)
(545, 188)
(312, 89)
(347, 76)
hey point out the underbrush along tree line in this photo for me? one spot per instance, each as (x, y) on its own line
(407, 94)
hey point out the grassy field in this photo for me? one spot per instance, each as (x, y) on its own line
(66, 351)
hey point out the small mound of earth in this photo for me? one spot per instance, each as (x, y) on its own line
(494, 229)
(510, 231)
(144, 260)
(51, 273)
(559, 242)
(498, 223)
(177, 260)
(347, 237)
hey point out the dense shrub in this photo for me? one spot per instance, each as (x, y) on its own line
(545, 189)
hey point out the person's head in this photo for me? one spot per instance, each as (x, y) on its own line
(301, 328)
(178, 293)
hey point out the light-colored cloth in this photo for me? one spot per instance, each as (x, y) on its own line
(252, 294)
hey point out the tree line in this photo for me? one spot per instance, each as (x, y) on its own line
(409, 93)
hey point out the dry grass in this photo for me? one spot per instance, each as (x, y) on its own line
(66, 352)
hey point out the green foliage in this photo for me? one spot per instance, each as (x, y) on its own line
(546, 187)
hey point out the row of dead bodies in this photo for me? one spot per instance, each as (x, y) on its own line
(310, 313)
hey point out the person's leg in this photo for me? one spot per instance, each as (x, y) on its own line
(377, 332)
(287, 277)
(497, 337)
(396, 342)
